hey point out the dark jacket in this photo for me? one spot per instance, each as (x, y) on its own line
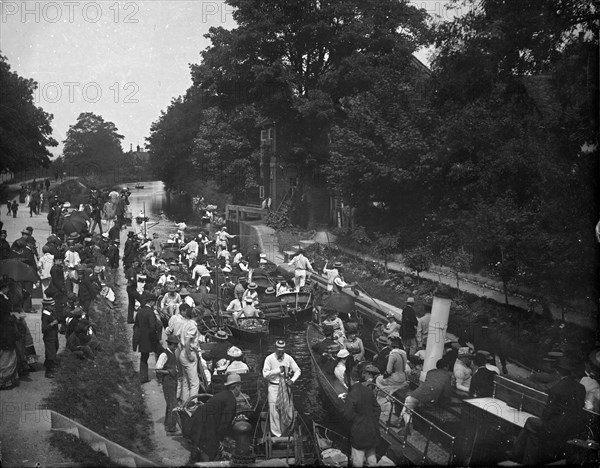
(145, 339)
(564, 405)
(408, 328)
(211, 422)
(436, 388)
(482, 383)
(362, 411)
(5, 251)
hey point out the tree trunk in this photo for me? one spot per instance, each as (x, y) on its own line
(385, 265)
(505, 287)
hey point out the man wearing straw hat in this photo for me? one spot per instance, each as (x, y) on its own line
(211, 421)
(301, 264)
(276, 365)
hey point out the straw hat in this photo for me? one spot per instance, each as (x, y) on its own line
(252, 286)
(234, 352)
(270, 290)
(337, 265)
(221, 335)
(248, 299)
(222, 364)
(280, 344)
(343, 353)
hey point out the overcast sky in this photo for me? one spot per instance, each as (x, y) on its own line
(122, 60)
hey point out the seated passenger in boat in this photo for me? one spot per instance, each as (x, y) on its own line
(269, 296)
(482, 382)
(394, 377)
(235, 307)
(462, 369)
(332, 319)
(236, 363)
(343, 367)
(353, 343)
(436, 389)
(327, 349)
(381, 358)
(220, 367)
(251, 293)
(282, 288)
(171, 301)
(248, 311)
(393, 324)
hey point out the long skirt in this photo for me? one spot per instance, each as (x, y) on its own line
(9, 375)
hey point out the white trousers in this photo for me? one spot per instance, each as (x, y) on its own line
(299, 279)
(273, 413)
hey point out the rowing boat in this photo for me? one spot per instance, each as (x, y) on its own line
(298, 304)
(249, 329)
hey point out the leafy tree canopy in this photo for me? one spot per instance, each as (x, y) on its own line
(25, 129)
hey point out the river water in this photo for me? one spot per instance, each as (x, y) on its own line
(168, 209)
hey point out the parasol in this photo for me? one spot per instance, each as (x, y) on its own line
(17, 270)
(341, 303)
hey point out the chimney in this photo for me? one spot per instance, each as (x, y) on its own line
(131, 147)
(138, 148)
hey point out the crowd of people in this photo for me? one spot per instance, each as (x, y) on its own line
(72, 273)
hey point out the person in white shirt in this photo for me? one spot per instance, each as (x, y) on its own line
(251, 293)
(301, 265)
(275, 365)
(462, 369)
(45, 264)
(192, 251)
(222, 237)
(340, 367)
(185, 296)
(235, 306)
(331, 274)
(72, 258)
(237, 255)
(200, 271)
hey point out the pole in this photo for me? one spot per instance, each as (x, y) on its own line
(145, 224)
(438, 324)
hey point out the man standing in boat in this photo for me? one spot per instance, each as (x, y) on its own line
(276, 364)
(301, 264)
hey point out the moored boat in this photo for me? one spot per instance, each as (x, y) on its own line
(249, 330)
(298, 304)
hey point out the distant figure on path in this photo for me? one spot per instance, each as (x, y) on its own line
(14, 208)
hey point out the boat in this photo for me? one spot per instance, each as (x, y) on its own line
(208, 326)
(138, 186)
(425, 444)
(299, 304)
(251, 330)
(276, 312)
(262, 283)
(333, 449)
(297, 449)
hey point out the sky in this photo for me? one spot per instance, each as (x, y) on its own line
(123, 60)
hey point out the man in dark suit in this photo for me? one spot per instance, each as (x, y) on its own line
(327, 349)
(362, 411)
(543, 439)
(211, 422)
(145, 339)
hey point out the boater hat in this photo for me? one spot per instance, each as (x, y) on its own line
(343, 353)
(270, 290)
(280, 344)
(252, 286)
(337, 265)
(221, 335)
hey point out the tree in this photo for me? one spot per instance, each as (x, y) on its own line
(458, 261)
(91, 140)
(384, 246)
(418, 259)
(25, 129)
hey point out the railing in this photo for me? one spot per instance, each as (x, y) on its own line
(442, 440)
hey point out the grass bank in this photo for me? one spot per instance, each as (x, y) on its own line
(105, 394)
(528, 337)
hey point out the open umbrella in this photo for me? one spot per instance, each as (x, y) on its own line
(341, 303)
(73, 223)
(14, 268)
